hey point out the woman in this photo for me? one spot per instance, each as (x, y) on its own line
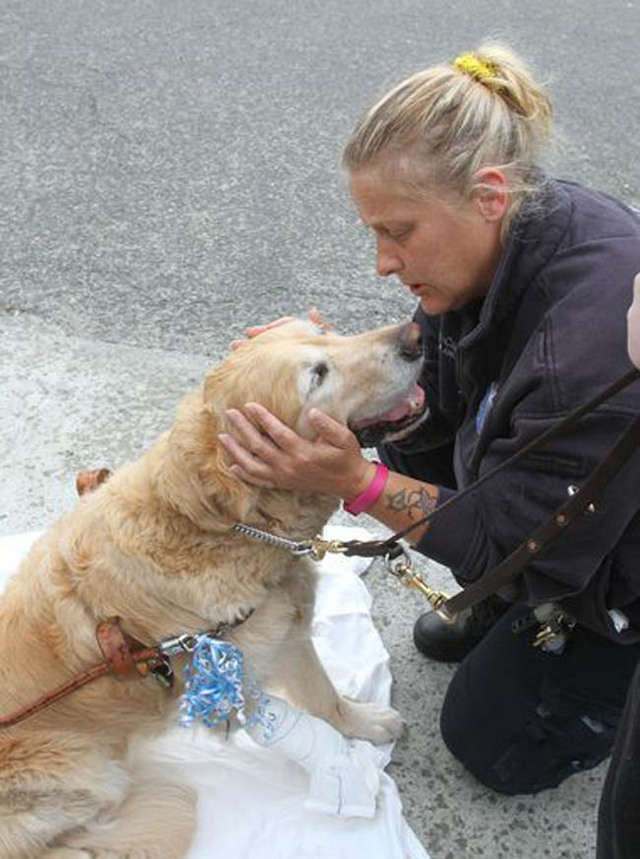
(523, 284)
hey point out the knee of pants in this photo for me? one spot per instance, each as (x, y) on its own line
(461, 729)
(524, 758)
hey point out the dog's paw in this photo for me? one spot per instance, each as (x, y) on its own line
(369, 721)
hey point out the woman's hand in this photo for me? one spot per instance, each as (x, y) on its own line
(268, 453)
(314, 316)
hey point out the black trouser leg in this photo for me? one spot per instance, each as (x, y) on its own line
(522, 720)
(619, 812)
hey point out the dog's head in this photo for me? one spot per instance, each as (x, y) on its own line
(367, 382)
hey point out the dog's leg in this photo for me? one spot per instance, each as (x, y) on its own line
(344, 777)
(280, 655)
(299, 673)
(50, 786)
(156, 821)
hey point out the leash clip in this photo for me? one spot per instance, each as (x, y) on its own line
(318, 548)
(184, 643)
(401, 567)
(556, 625)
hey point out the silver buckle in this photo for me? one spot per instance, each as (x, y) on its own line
(184, 643)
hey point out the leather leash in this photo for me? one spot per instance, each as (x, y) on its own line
(123, 656)
(581, 501)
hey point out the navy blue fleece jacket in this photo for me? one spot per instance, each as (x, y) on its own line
(550, 334)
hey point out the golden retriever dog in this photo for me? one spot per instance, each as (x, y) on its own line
(154, 546)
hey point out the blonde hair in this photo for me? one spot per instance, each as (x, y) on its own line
(435, 130)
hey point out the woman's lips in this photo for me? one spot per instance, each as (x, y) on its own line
(417, 288)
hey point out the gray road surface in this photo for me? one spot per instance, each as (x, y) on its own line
(169, 175)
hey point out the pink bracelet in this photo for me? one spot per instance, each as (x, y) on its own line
(370, 495)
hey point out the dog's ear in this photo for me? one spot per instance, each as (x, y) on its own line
(198, 478)
(226, 493)
(88, 480)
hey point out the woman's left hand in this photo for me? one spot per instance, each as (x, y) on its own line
(268, 453)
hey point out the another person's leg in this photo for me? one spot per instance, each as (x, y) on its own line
(522, 720)
(618, 817)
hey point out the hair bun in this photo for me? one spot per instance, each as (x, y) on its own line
(470, 64)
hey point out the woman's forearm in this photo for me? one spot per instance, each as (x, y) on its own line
(403, 501)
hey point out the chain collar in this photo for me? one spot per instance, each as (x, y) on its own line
(316, 548)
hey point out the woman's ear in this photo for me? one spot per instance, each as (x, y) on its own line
(491, 193)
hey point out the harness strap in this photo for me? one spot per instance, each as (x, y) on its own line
(123, 654)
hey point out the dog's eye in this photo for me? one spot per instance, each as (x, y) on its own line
(320, 373)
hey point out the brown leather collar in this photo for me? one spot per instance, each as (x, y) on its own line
(123, 656)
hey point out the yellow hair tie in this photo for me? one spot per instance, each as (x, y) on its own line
(471, 65)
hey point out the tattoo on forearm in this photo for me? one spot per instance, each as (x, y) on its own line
(413, 501)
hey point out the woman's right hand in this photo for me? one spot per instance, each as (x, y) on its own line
(314, 316)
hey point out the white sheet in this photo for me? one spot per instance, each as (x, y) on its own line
(251, 799)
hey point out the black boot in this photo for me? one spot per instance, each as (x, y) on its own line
(450, 642)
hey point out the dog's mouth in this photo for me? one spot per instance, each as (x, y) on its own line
(395, 424)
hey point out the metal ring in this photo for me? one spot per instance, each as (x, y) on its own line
(402, 560)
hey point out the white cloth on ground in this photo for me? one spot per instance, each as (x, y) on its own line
(252, 799)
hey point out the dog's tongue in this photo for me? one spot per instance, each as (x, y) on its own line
(413, 400)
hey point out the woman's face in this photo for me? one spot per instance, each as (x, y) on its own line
(446, 257)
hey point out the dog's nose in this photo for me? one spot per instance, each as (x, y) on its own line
(410, 342)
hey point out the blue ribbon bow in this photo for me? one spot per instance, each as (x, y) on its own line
(216, 687)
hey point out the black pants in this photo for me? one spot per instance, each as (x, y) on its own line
(619, 814)
(522, 720)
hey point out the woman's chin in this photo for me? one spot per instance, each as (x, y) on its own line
(434, 306)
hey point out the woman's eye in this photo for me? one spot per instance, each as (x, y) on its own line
(399, 235)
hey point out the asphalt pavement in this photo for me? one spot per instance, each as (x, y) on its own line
(169, 175)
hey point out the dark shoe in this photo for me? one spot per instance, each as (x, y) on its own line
(450, 642)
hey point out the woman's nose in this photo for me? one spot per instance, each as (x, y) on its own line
(388, 262)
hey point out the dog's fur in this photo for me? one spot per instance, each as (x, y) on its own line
(152, 545)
